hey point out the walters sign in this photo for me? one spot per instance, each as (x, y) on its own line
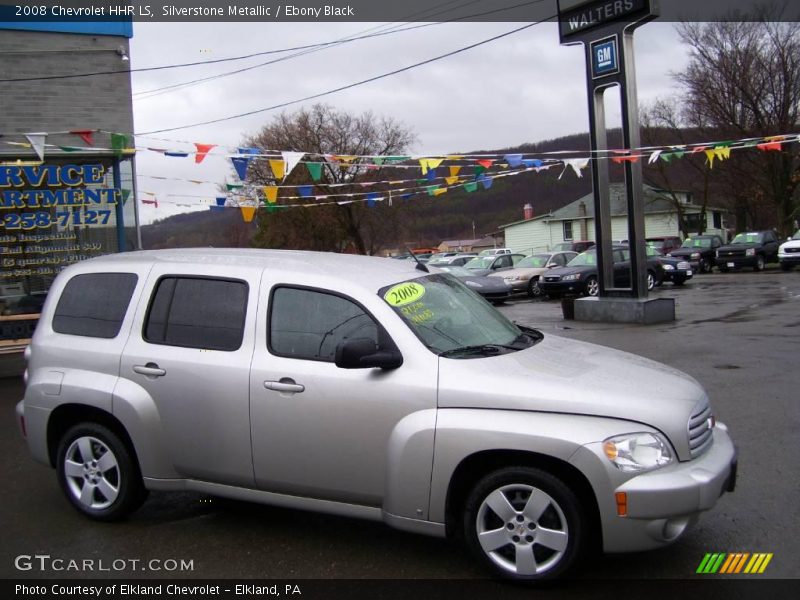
(576, 16)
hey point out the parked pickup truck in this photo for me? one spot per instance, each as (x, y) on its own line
(362, 387)
(700, 251)
(748, 249)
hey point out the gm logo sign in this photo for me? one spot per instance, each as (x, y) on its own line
(605, 58)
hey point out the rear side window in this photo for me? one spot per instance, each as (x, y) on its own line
(194, 312)
(94, 304)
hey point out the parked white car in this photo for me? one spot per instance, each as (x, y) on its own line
(789, 252)
(494, 251)
(366, 388)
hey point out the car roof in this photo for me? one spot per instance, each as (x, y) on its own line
(368, 272)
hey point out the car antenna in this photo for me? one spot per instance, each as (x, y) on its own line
(420, 265)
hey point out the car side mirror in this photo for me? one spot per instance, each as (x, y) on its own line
(361, 353)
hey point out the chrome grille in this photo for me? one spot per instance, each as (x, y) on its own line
(700, 431)
(791, 250)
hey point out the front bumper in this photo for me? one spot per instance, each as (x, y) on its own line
(662, 504)
(678, 275)
(562, 287)
(735, 262)
(787, 258)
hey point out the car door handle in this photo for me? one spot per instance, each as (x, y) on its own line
(286, 384)
(150, 369)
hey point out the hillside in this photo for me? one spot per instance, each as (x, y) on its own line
(428, 220)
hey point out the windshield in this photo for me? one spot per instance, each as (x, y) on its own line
(450, 318)
(697, 243)
(747, 238)
(537, 260)
(480, 262)
(588, 258)
(657, 244)
(796, 235)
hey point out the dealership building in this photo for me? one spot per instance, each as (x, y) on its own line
(67, 163)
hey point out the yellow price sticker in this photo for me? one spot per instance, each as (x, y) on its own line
(404, 293)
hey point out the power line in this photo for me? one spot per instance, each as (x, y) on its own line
(395, 29)
(349, 86)
(229, 59)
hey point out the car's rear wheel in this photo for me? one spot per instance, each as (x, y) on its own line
(534, 291)
(98, 473)
(524, 523)
(759, 263)
(592, 286)
(704, 266)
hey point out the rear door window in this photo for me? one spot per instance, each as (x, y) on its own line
(197, 312)
(94, 304)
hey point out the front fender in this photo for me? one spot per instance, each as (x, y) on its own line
(461, 433)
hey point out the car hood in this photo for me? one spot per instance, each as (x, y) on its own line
(487, 284)
(679, 252)
(790, 244)
(559, 375)
(561, 271)
(740, 246)
(527, 272)
(479, 272)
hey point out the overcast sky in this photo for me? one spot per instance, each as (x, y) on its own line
(522, 88)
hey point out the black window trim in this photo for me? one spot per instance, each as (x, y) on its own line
(308, 288)
(190, 276)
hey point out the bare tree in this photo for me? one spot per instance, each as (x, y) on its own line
(323, 130)
(743, 80)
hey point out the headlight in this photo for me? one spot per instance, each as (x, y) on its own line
(750, 252)
(637, 451)
(573, 277)
(668, 267)
(695, 255)
(669, 254)
(473, 284)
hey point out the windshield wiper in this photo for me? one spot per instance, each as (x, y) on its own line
(534, 336)
(484, 349)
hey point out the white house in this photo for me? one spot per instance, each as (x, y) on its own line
(575, 221)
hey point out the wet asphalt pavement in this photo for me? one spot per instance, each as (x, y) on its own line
(736, 333)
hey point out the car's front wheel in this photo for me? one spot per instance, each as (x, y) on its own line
(534, 291)
(786, 267)
(592, 286)
(651, 281)
(98, 473)
(759, 263)
(524, 523)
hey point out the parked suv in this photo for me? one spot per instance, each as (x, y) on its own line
(700, 251)
(367, 388)
(750, 249)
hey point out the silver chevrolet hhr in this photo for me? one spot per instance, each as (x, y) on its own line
(362, 387)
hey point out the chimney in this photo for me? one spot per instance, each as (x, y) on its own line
(582, 209)
(528, 211)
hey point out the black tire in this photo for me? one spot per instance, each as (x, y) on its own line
(591, 286)
(545, 540)
(679, 280)
(759, 266)
(786, 267)
(534, 291)
(704, 266)
(723, 269)
(98, 473)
